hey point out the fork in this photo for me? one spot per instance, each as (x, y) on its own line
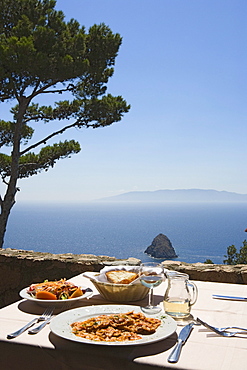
(44, 323)
(43, 317)
(232, 327)
(222, 331)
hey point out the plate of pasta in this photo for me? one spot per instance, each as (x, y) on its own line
(116, 325)
(55, 293)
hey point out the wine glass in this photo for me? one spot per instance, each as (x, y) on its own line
(151, 275)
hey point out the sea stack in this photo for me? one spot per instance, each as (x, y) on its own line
(161, 247)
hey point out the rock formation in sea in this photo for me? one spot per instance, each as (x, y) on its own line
(161, 247)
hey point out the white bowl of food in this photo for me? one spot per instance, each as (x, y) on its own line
(55, 293)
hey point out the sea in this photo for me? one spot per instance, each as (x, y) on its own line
(197, 231)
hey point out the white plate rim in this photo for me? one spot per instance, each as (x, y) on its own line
(23, 293)
(60, 325)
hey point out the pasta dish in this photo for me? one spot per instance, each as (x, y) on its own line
(116, 327)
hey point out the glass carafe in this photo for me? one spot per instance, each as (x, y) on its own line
(180, 295)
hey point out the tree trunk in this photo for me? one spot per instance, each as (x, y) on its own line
(5, 212)
(9, 199)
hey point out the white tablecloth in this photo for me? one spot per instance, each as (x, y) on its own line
(204, 349)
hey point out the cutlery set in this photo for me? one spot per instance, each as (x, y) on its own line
(45, 317)
(185, 332)
(228, 331)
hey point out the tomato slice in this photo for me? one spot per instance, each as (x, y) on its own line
(45, 295)
(77, 293)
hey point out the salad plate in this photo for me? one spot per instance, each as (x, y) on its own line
(61, 324)
(56, 303)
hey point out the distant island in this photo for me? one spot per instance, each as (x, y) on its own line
(179, 195)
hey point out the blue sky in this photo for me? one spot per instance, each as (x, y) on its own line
(182, 67)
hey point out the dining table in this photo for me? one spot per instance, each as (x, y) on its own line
(203, 350)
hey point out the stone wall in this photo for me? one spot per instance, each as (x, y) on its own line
(19, 269)
(235, 274)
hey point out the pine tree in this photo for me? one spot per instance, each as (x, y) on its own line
(42, 55)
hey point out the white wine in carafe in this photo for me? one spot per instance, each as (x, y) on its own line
(177, 307)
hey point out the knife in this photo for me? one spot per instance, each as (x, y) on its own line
(217, 296)
(183, 336)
